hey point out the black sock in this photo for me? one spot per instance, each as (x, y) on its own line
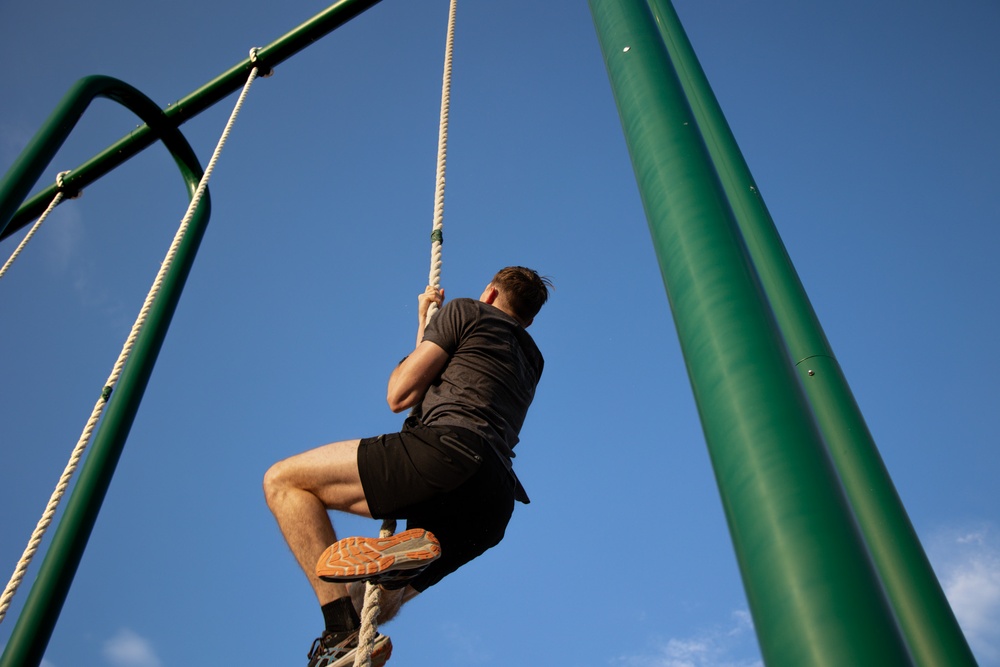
(340, 617)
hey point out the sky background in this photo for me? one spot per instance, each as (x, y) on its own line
(870, 128)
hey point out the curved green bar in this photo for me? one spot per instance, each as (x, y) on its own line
(37, 619)
(922, 610)
(812, 590)
(41, 610)
(183, 110)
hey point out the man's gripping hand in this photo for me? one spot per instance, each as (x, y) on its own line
(424, 301)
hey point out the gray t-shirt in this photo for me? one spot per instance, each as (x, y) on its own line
(491, 375)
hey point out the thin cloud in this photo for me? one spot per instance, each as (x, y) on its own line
(968, 565)
(63, 237)
(127, 649)
(466, 648)
(733, 646)
(12, 142)
(63, 244)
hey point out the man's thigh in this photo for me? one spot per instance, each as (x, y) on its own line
(330, 473)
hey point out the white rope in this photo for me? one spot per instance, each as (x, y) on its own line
(437, 239)
(370, 610)
(34, 228)
(81, 445)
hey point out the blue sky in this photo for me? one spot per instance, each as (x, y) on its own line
(869, 127)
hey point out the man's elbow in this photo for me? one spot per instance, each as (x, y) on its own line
(399, 403)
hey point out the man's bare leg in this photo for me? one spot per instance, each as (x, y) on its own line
(300, 490)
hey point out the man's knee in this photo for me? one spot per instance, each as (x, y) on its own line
(274, 482)
(329, 473)
(279, 479)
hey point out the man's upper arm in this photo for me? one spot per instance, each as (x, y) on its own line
(410, 380)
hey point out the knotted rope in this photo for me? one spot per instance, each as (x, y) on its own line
(81, 445)
(370, 611)
(60, 195)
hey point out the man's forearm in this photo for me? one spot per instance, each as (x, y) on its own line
(409, 381)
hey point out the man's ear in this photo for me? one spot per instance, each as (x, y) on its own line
(490, 294)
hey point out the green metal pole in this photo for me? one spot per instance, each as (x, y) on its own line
(811, 587)
(37, 620)
(176, 114)
(922, 610)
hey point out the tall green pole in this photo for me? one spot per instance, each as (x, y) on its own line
(812, 590)
(37, 620)
(922, 610)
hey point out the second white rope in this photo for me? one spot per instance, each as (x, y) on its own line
(81, 445)
(34, 228)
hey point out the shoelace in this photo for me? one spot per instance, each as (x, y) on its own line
(317, 645)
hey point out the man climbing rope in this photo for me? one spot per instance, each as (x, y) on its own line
(448, 472)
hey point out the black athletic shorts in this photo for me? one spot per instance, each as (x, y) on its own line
(443, 479)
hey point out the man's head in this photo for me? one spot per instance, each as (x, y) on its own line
(519, 292)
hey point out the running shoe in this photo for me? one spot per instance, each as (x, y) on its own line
(389, 561)
(326, 651)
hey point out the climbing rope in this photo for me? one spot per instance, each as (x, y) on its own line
(437, 232)
(81, 445)
(370, 610)
(60, 195)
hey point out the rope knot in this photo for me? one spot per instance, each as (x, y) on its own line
(263, 70)
(61, 187)
(437, 236)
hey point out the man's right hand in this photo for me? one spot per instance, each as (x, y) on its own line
(424, 301)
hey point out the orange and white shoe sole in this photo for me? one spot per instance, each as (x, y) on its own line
(359, 558)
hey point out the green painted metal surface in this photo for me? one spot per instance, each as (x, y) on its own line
(812, 589)
(48, 593)
(931, 630)
(181, 111)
